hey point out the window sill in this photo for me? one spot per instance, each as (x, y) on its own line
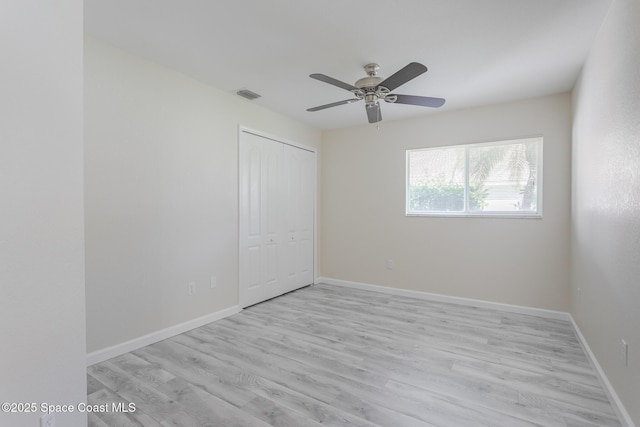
(478, 215)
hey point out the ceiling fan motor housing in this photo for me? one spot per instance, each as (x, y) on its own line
(368, 82)
(370, 85)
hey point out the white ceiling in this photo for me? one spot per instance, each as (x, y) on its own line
(478, 51)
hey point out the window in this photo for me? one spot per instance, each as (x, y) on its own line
(502, 178)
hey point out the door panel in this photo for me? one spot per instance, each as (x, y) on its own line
(306, 218)
(277, 206)
(270, 267)
(253, 179)
(272, 196)
(259, 181)
(253, 266)
(299, 166)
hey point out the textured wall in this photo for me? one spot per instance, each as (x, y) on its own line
(606, 200)
(42, 308)
(507, 260)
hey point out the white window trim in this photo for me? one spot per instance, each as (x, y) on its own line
(483, 214)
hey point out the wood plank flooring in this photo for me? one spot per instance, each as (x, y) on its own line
(332, 356)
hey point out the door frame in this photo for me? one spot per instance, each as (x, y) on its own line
(244, 129)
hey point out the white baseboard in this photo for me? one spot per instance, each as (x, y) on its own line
(550, 314)
(622, 413)
(136, 343)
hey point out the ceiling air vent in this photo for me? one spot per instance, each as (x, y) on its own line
(245, 93)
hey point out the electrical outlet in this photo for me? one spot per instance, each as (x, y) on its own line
(214, 282)
(48, 420)
(624, 353)
(390, 264)
(191, 288)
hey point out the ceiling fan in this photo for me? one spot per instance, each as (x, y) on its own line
(373, 88)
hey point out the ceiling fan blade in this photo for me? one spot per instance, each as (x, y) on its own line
(423, 101)
(333, 104)
(373, 113)
(402, 76)
(332, 81)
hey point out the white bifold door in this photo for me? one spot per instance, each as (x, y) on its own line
(277, 218)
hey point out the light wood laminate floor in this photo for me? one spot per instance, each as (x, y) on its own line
(336, 356)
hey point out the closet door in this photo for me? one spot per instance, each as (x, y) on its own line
(260, 218)
(277, 218)
(299, 199)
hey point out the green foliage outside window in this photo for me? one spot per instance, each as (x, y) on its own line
(441, 196)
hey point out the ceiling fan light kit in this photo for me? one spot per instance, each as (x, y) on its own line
(373, 88)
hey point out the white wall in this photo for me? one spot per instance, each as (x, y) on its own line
(42, 308)
(161, 193)
(606, 200)
(514, 261)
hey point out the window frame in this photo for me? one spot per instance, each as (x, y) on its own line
(467, 213)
